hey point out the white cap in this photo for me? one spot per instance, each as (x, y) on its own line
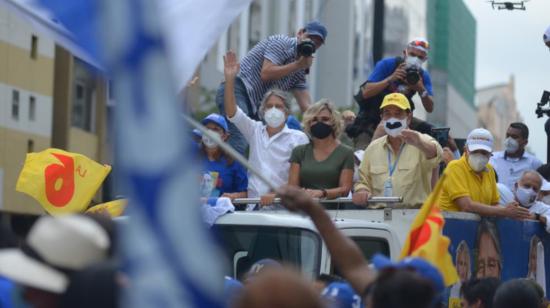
(480, 139)
(546, 35)
(545, 185)
(55, 244)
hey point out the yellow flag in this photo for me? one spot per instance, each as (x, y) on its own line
(112, 208)
(425, 240)
(62, 182)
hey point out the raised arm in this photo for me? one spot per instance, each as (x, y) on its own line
(230, 70)
(344, 252)
(430, 149)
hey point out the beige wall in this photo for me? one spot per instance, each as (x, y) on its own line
(84, 143)
(12, 158)
(30, 77)
(21, 71)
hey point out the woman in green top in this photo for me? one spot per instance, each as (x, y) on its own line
(324, 167)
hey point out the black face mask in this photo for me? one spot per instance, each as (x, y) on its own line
(321, 130)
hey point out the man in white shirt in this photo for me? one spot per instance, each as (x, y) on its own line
(526, 191)
(270, 144)
(513, 161)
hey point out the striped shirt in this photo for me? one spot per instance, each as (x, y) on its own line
(280, 50)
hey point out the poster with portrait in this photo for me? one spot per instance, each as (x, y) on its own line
(500, 248)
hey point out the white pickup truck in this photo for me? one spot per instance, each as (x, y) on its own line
(250, 236)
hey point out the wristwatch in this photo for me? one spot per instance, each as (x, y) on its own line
(424, 94)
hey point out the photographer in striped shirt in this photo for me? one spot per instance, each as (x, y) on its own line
(278, 61)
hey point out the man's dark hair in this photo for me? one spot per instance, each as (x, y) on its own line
(516, 293)
(480, 289)
(524, 130)
(397, 288)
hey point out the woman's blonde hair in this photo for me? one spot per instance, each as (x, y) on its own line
(313, 110)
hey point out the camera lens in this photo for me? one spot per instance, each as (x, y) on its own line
(413, 76)
(306, 48)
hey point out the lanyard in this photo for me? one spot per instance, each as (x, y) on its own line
(390, 167)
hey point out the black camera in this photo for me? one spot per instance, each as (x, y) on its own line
(441, 134)
(543, 101)
(412, 75)
(306, 48)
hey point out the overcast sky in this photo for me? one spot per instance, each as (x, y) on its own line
(510, 42)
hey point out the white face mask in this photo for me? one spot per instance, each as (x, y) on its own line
(477, 161)
(412, 61)
(394, 126)
(274, 117)
(525, 196)
(208, 142)
(511, 145)
(546, 199)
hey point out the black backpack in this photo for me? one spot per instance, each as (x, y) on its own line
(369, 114)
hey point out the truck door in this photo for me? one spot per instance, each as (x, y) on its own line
(370, 242)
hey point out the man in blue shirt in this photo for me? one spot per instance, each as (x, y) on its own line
(511, 163)
(222, 175)
(390, 75)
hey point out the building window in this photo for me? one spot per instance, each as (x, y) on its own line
(15, 105)
(30, 146)
(84, 96)
(34, 47)
(32, 108)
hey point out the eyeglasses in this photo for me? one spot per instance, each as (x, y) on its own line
(422, 44)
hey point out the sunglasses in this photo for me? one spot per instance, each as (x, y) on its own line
(422, 44)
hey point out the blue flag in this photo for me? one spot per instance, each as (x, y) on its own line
(169, 256)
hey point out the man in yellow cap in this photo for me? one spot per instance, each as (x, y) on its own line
(399, 164)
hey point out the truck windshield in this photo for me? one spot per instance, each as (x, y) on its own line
(244, 245)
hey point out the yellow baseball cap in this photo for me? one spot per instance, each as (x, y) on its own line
(396, 99)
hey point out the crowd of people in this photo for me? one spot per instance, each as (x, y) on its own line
(382, 151)
(37, 269)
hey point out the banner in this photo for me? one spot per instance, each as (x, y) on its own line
(502, 248)
(62, 182)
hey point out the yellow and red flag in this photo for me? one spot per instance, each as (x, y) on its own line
(112, 208)
(62, 182)
(426, 239)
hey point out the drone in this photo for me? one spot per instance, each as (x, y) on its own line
(509, 5)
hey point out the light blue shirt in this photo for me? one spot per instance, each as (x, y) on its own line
(509, 170)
